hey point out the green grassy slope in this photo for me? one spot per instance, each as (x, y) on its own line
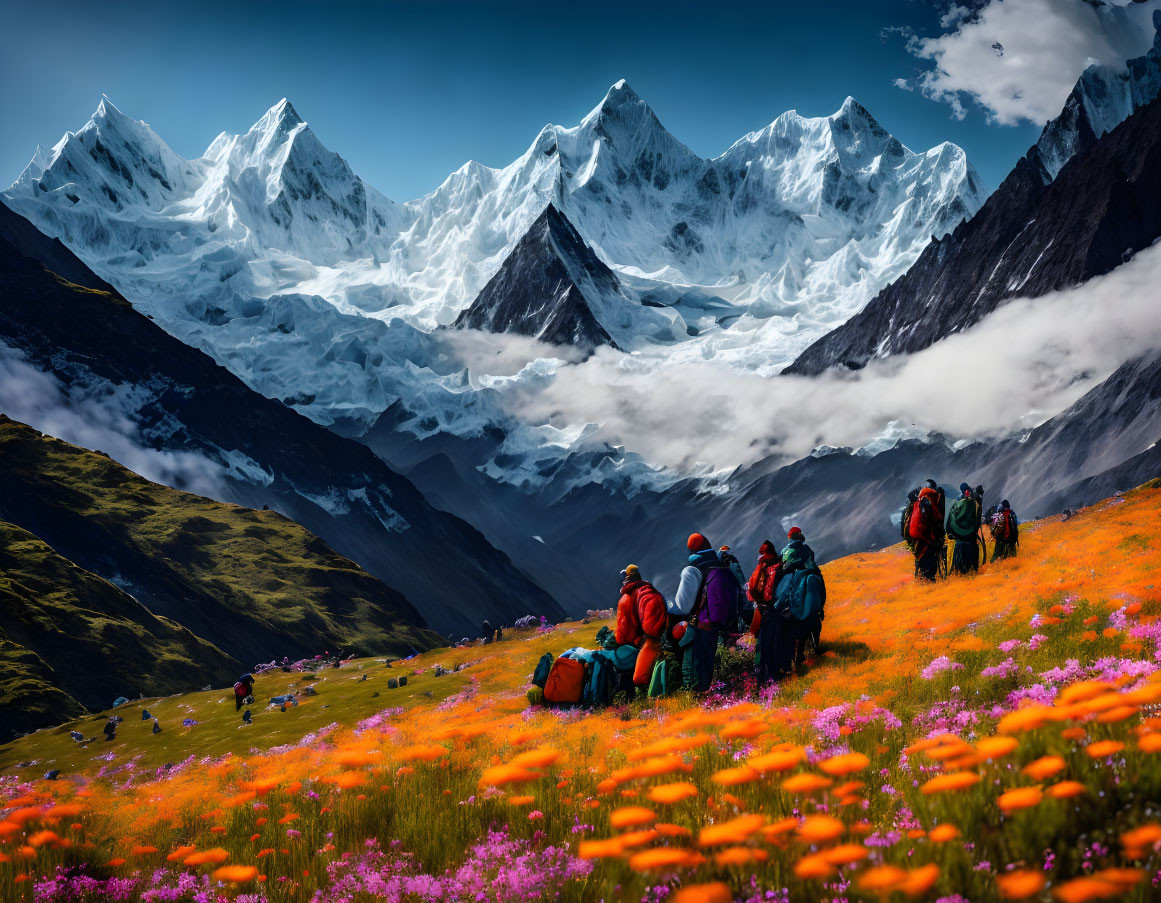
(70, 640)
(253, 584)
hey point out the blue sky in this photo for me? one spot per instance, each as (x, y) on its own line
(409, 92)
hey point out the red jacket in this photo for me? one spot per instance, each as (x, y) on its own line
(765, 578)
(923, 529)
(641, 613)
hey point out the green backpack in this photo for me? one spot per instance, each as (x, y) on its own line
(540, 675)
(666, 677)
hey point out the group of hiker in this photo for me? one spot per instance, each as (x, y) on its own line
(926, 530)
(660, 646)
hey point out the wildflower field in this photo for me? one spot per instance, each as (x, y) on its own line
(996, 737)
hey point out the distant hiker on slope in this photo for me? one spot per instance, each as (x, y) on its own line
(804, 600)
(243, 690)
(761, 589)
(963, 525)
(708, 596)
(1005, 529)
(641, 622)
(925, 532)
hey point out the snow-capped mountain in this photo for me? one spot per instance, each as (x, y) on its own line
(271, 255)
(1102, 98)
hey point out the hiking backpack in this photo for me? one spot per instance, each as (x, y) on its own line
(905, 520)
(801, 594)
(765, 585)
(543, 667)
(1005, 529)
(566, 681)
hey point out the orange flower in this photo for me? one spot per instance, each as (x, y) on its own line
(739, 856)
(1027, 718)
(735, 831)
(288, 818)
(1148, 835)
(845, 854)
(704, 893)
(1150, 743)
(599, 849)
(1020, 798)
(143, 851)
(882, 878)
(806, 783)
(919, 881)
(663, 858)
(837, 766)
(813, 866)
(355, 758)
(778, 760)
(215, 856)
(1044, 767)
(1103, 748)
(731, 777)
(747, 730)
(669, 745)
(520, 800)
(116, 863)
(672, 793)
(636, 839)
(997, 747)
(498, 775)
(668, 830)
(180, 853)
(1066, 790)
(1079, 890)
(1020, 885)
(777, 829)
(1124, 878)
(236, 874)
(631, 816)
(1073, 733)
(959, 780)
(820, 829)
(44, 838)
(537, 758)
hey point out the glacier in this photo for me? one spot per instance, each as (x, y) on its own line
(269, 253)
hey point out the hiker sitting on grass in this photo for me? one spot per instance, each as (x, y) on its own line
(243, 690)
(641, 622)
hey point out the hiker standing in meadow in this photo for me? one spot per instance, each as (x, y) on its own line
(924, 528)
(805, 626)
(963, 525)
(1005, 529)
(709, 594)
(641, 622)
(243, 690)
(762, 589)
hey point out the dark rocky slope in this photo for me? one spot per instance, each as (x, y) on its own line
(338, 489)
(540, 290)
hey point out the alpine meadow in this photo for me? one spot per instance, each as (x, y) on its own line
(745, 491)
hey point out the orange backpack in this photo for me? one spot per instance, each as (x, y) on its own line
(566, 681)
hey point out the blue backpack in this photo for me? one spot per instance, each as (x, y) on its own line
(801, 594)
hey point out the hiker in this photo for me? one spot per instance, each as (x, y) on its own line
(709, 594)
(761, 589)
(925, 530)
(243, 690)
(1005, 528)
(488, 632)
(110, 728)
(745, 607)
(963, 525)
(798, 556)
(641, 622)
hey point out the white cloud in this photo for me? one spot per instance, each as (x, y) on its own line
(1046, 45)
(99, 416)
(1026, 362)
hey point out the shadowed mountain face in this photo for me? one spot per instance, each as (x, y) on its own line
(1029, 239)
(71, 641)
(547, 289)
(253, 583)
(255, 451)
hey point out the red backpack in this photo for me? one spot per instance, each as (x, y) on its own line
(652, 615)
(763, 585)
(1006, 528)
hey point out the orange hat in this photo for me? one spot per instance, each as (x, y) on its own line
(697, 543)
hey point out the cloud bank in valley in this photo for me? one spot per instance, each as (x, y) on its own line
(1018, 59)
(99, 416)
(1026, 362)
